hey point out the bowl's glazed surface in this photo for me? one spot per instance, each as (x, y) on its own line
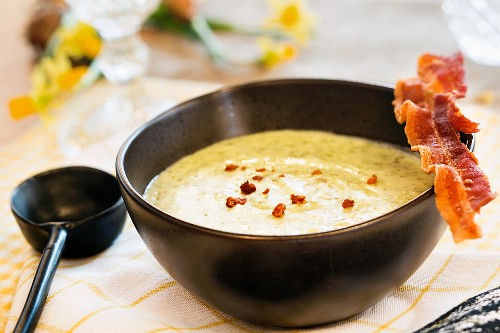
(285, 281)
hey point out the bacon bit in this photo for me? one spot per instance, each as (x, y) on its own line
(247, 188)
(243, 167)
(372, 180)
(316, 172)
(427, 104)
(231, 167)
(231, 202)
(257, 177)
(260, 169)
(279, 210)
(347, 203)
(298, 199)
(266, 191)
(281, 175)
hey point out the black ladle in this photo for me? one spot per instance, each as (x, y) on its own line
(73, 212)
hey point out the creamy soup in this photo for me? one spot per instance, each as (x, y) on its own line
(288, 182)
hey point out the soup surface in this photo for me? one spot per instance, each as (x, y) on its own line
(299, 182)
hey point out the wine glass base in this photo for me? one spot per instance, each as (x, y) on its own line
(103, 111)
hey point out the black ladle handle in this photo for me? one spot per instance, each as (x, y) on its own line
(43, 278)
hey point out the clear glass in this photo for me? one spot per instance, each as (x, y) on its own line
(124, 55)
(123, 60)
(475, 25)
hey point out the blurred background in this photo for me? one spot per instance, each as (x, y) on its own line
(375, 41)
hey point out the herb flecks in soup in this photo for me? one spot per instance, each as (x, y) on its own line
(288, 182)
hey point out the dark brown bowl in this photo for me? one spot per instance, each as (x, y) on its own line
(285, 281)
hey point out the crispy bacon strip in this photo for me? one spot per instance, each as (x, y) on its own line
(421, 134)
(435, 75)
(408, 90)
(443, 74)
(452, 203)
(427, 104)
(464, 161)
(458, 121)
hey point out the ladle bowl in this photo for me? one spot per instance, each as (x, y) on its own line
(70, 212)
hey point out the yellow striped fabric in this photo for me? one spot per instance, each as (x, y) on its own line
(125, 290)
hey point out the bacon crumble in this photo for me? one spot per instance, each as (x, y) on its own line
(298, 199)
(257, 177)
(231, 202)
(372, 180)
(347, 203)
(266, 191)
(231, 167)
(260, 169)
(247, 188)
(316, 172)
(279, 210)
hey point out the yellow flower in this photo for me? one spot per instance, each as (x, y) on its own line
(275, 53)
(69, 79)
(21, 106)
(292, 17)
(79, 40)
(45, 78)
(54, 76)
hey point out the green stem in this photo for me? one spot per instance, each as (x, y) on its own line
(209, 39)
(245, 30)
(92, 75)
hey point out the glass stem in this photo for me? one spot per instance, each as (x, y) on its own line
(123, 59)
